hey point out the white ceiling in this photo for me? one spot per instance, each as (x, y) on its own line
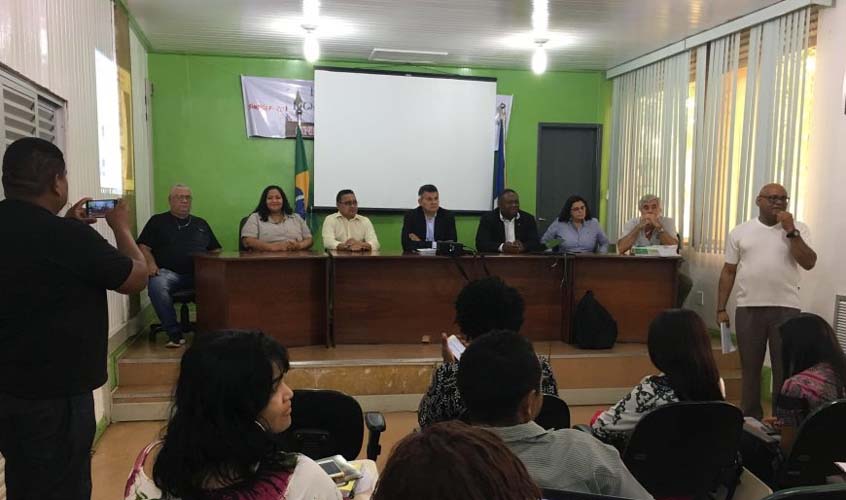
(590, 34)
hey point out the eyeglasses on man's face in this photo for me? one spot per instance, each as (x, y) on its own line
(773, 199)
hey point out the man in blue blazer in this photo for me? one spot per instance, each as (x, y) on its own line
(508, 229)
(428, 222)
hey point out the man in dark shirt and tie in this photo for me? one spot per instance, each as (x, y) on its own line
(508, 229)
(168, 241)
(428, 223)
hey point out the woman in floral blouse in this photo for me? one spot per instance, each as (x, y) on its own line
(814, 370)
(679, 346)
(483, 305)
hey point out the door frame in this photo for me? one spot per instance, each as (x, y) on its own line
(597, 166)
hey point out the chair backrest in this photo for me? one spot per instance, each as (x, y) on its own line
(823, 492)
(820, 441)
(685, 448)
(554, 414)
(241, 246)
(324, 423)
(549, 494)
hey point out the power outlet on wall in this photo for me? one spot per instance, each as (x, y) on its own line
(700, 297)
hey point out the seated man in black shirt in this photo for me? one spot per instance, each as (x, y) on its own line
(167, 241)
(54, 322)
(427, 223)
(508, 229)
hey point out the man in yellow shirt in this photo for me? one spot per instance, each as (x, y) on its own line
(345, 229)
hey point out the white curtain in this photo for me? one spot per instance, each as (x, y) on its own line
(648, 139)
(749, 123)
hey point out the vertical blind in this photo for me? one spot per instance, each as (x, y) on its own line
(752, 100)
(649, 139)
(751, 127)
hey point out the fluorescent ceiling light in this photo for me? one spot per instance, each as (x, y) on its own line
(328, 27)
(311, 48)
(540, 16)
(539, 60)
(526, 41)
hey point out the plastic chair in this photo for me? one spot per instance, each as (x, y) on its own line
(326, 423)
(686, 449)
(555, 414)
(820, 441)
(183, 298)
(823, 492)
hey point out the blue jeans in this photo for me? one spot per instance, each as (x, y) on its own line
(47, 446)
(160, 288)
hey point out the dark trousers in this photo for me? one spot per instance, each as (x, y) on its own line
(756, 327)
(47, 447)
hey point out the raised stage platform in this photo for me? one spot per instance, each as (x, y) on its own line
(393, 377)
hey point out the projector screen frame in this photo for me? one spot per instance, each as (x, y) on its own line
(450, 76)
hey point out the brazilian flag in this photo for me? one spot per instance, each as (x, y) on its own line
(302, 181)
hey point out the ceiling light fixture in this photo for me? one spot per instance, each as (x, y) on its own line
(311, 49)
(311, 15)
(539, 59)
(540, 16)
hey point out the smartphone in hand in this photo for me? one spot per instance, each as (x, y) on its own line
(98, 208)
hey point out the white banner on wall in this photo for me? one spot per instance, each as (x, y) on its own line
(270, 106)
(502, 100)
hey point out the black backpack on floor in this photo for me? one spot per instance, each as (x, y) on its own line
(593, 325)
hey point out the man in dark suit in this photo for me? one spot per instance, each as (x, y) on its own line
(427, 223)
(508, 229)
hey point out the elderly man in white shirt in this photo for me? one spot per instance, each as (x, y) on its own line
(346, 230)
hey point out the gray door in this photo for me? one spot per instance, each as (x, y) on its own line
(568, 164)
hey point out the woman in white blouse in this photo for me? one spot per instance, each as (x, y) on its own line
(680, 347)
(273, 226)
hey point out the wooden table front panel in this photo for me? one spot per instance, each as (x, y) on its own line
(633, 289)
(394, 300)
(283, 296)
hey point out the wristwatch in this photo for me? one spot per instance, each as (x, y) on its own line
(793, 234)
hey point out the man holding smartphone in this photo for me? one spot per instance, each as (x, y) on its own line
(168, 241)
(54, 273)
(763, 256)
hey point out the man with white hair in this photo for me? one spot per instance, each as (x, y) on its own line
(167, 242)
(651, 228)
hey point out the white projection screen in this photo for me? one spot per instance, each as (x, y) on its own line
(385, 134)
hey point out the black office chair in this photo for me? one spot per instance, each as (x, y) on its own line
(820, 441)
(555, 414)
(686, 449)
(183, 298)
(823, 492)
(549, 494)
(326, 423)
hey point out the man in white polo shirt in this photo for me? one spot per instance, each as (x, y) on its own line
(763, 255)
(346, 230)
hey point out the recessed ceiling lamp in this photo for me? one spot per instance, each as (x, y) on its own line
(311, 17)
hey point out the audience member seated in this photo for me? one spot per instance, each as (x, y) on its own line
(230, 402)
(814, 370)
(345, 229)
(273, 226)
(167, 242)
(483, 305)
(453, 461)
(428, 222)
(575, 230)
(679, 346)
(651, 228)
(499, 379)
(507, 229)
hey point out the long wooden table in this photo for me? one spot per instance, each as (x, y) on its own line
(305, 298)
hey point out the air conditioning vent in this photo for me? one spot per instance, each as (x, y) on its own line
(840, 320)
(407, 56)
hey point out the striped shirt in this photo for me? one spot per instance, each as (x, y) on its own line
(571, 460)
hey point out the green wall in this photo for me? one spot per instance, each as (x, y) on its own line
(199, 134)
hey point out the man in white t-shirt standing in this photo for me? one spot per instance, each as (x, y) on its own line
(763, 255)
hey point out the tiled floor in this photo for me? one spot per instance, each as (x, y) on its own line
(119, 446)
